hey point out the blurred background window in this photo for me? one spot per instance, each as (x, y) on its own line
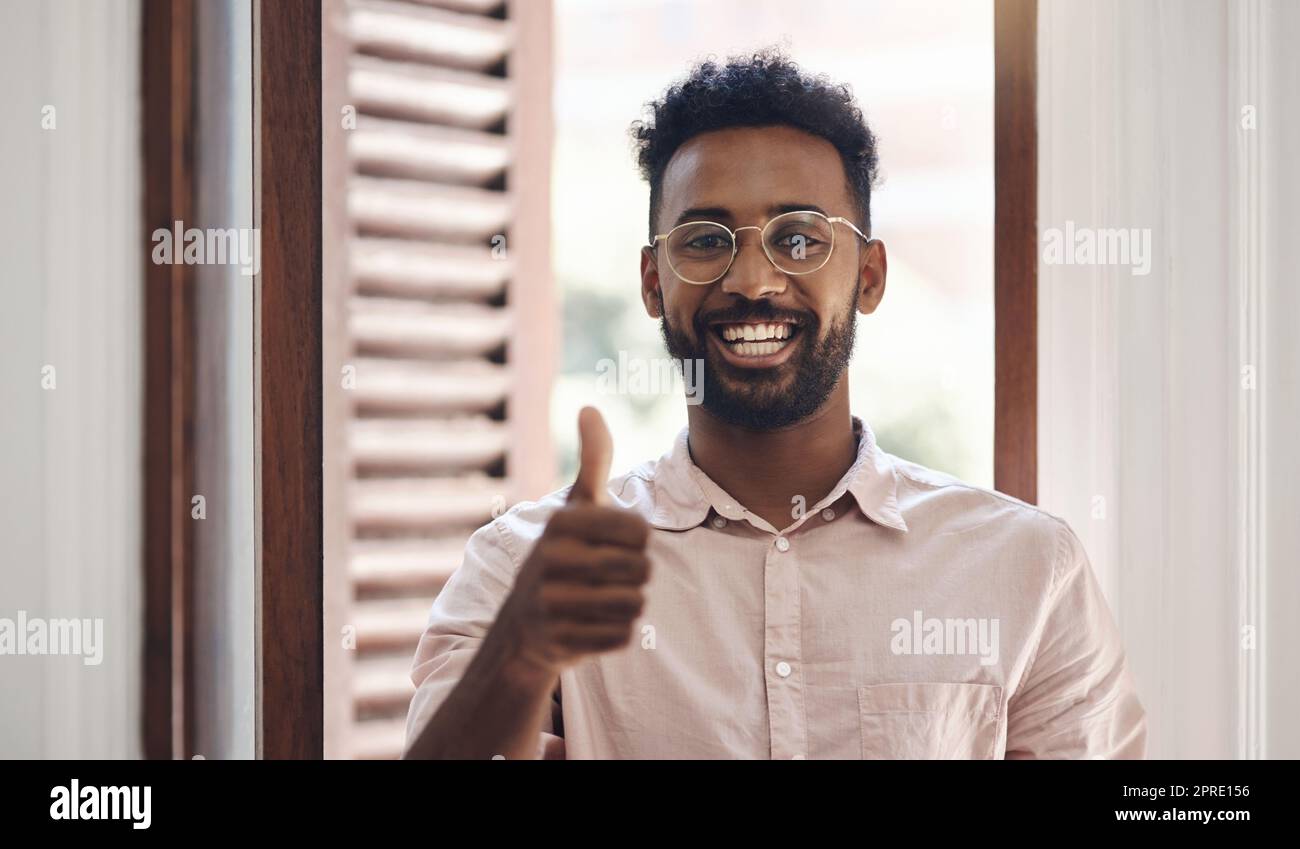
(922, 375)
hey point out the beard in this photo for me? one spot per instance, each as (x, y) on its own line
(770, 398)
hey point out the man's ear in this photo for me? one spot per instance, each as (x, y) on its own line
(871, 276)
(651, 294)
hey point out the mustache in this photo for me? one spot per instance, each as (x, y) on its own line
(757, 311)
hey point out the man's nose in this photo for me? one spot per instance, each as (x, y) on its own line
(752, 274)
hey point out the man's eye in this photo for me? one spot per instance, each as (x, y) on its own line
(705, 243)
(798, 240)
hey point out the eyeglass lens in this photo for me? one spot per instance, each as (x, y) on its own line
(797, 243)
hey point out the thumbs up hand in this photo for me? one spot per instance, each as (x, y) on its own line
(595, 453)
(579, 592)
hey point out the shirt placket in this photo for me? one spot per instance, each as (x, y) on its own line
(783, 651)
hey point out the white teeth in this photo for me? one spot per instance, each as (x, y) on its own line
(758, 349)
(755, 332)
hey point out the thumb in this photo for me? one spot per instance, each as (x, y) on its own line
(595, 451)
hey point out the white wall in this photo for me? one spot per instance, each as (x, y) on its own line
(1171, 464)
(70, 297)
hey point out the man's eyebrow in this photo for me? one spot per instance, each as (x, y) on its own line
(714, 213)
(796, 207)
(699, 212)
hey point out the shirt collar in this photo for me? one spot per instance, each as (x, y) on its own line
(683, 494)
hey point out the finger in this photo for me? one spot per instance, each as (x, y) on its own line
(595, 452)
(591, 637)
(596, 525)
(579, 603)
(579, 562)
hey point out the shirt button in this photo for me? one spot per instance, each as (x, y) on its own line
(783, 669)
(719, 522)
(828, 514)
(782, 544)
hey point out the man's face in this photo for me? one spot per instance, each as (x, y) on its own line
(741, 177)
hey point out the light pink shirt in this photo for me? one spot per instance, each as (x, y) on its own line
(904, 615)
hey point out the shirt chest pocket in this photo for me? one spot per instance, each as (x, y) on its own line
(924, 720)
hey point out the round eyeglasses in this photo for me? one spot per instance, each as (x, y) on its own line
(701, 252)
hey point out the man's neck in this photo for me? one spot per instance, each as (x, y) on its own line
(766, 471)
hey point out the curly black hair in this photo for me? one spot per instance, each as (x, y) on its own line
(764, 88)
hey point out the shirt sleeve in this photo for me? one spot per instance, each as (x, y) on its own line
(459, 620)
(1078, 699)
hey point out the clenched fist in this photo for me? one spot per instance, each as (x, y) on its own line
(579, 591)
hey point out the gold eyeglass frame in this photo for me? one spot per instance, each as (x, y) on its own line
(762, 240)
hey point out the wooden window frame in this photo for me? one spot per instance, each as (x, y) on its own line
(288, 545)
(288, 522)
(289, 531)
(168, 121)
(1015, 252)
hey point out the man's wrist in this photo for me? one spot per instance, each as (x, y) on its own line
(514, 664)
(528, 674)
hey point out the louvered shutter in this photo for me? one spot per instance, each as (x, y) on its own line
(447, 198)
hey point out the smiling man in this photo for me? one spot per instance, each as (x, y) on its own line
(776, 585)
